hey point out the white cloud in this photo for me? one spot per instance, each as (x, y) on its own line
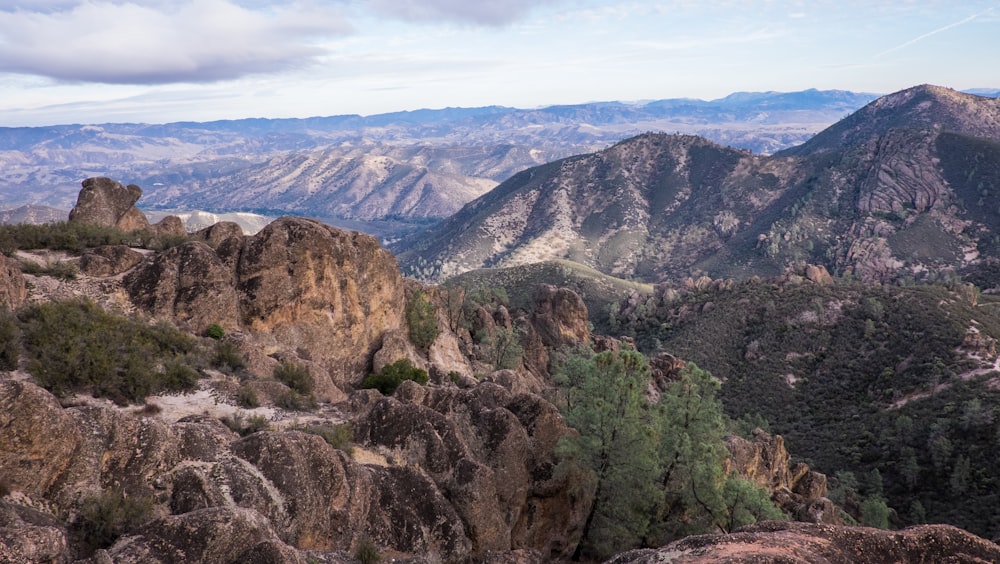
(158, 42)
(482, 12)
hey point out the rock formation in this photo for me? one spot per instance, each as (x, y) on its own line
(781, 541)
(109, 203)
(797, 490)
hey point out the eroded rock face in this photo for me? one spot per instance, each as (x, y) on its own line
(796, 489)
(109, 260)
(206, 536)
(27, 535)
(492, 454)
(12, 289)
(106, 202)
(783, 541)
(320, 289)
(188, 284)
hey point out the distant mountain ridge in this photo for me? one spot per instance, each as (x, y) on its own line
(903, 187)
(458, 153)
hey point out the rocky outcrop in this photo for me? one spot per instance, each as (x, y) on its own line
(782, 541)
(27, 535)
(797, 490)
(188, 284)
(319, 289)
(489, 451)
(109, 203)
(12, 289)
(109, 260)
(206, 536)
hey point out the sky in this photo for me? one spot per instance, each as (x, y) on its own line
(157, 61)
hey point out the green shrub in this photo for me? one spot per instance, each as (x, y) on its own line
(246, 397)
(57, 269)
(338, 436)
(367, 553)
(105, 517)
(295, 376)
(228, 357)
(294, 401)
(215, 331)
(421, 321)
(243, 424)
(10, 341)
(392, 375)
(75, 346)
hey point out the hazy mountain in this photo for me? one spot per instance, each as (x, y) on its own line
(901, 187)
(33, 214)
(439, 159)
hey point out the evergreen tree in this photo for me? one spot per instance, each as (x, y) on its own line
(606, 403)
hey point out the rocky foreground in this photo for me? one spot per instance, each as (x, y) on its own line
(461, 470)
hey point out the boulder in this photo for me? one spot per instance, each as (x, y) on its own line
(38, 439)
(215, 235)
(109, 260)
(188, 284)
(207, 536)
(108, 203)
(27, 535)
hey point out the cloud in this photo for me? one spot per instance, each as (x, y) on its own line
(158, 41)
(934, 32)
(481, 12)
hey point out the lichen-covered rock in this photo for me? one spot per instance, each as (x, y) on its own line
(12, 289)
(108, 203)
(560, 317)
(492, 454)
(169, 226)
(109, 260)
(218, 233)
(38, 439)
(207, 536)
(30, 536)
(317, 288)
(188, 284)
(783, 541)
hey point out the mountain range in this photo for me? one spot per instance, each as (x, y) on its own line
(420, 164)
(904, 187)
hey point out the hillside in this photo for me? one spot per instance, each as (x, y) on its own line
(880, 195)
(861, 380)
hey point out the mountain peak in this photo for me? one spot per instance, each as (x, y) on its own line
(921, 107)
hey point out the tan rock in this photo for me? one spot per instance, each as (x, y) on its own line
(317, 288)
(106, 202)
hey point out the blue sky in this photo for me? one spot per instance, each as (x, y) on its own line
(93, 61)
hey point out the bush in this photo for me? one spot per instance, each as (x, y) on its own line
(367, 553)
(244, 424)
(421, 321)
(74, 346)
(105, 517)
(294, 401)
(228, 357)
(392, 375)
(10, 341)
(215, 331)
(338, 436)
(295, 376)
(246, 397)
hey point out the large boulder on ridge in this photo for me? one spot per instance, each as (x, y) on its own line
(109, 203)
